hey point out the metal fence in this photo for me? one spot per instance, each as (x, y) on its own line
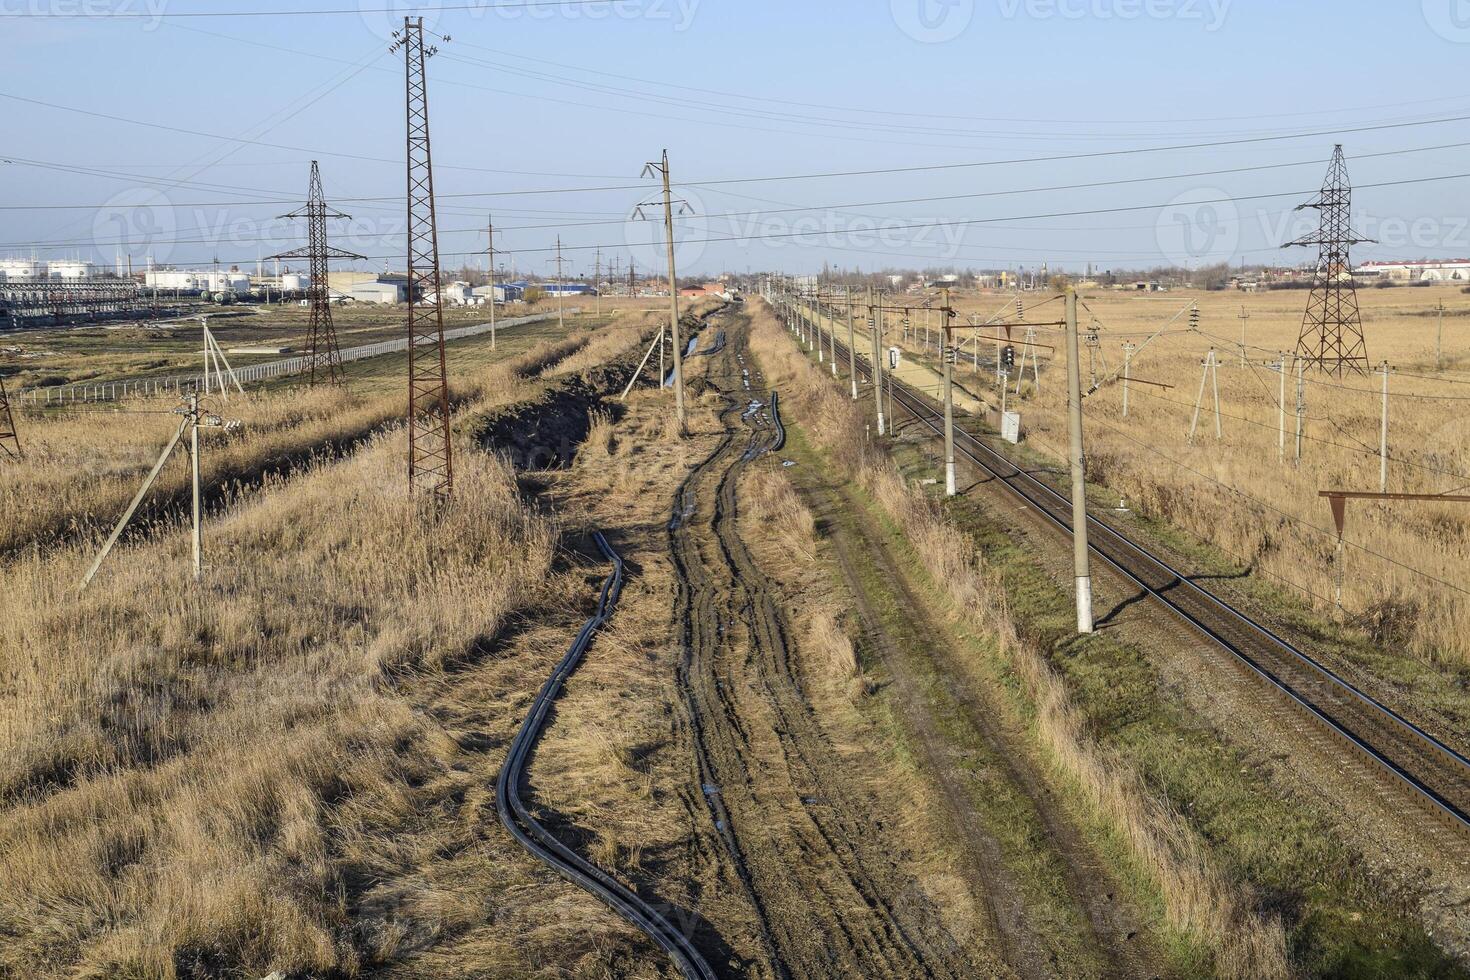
(104, 391)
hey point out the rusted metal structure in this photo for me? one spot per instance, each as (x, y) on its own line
(326, 359)
(9, 440)
(430, 457)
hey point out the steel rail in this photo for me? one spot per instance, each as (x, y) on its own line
(546, 848)
(1418, 741)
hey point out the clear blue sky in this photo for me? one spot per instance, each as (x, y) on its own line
(734, 90)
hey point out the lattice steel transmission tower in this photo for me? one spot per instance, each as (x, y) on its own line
(1332, 330)
(430, 462)
(9, 441)
(326, 359)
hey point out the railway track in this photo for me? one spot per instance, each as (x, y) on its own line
(1399, 751)
(546, 848)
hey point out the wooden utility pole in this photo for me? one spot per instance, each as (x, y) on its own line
(1080, 555)
(1244, 318)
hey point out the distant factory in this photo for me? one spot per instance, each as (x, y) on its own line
(1437, 270)
(38, 270)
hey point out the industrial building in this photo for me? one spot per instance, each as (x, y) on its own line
(1439, 270)
(32, 270)
(384, 289)
(504, 292)
(191, 281)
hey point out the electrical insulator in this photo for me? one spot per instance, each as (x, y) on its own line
(950, 355)
(1008, 356)
(1194, 317)
(1020, 309)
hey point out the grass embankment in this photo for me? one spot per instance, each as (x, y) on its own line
(221, 778)
(1234, 867)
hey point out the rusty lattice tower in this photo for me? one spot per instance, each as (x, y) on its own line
(1332, 330)
(430, 463)
(9, 441)
(326, 359)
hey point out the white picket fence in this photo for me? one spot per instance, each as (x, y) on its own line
(103, 391)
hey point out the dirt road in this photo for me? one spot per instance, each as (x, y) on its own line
(798, 832)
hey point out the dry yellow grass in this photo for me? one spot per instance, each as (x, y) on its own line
(195, 780)
(1236, 493)
(80, 470)
(187, 772)
(1199, 900)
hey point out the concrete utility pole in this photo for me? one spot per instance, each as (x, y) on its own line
(663, 169)
(832, 336)
(561, 318)
(491, 278)
(1244, 319)
(597, 280)
(1128, 349)
(1280, 368)
(1383, 437)
(194, 418)
(875, 329)
(1079, 476)
(948, 356)
(815, 310)
(851, 347)
(1301, 405)
(1439, 339)
(1211, 366)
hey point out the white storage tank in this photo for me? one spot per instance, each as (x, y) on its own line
(293, 282)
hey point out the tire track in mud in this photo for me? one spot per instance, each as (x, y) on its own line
(1106, 926)
(800, 837)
